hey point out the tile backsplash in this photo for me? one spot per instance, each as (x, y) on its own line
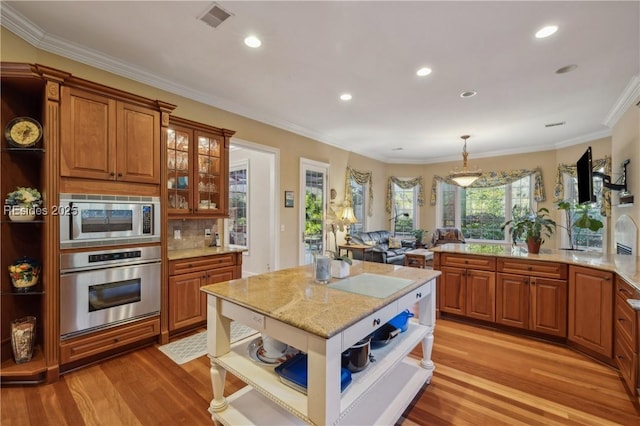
(191, 233)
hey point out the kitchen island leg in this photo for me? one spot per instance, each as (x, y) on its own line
(218, 375)
(427, 316)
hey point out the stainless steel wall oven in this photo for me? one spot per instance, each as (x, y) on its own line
(100, 289)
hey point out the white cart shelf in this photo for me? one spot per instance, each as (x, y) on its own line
(377, 395)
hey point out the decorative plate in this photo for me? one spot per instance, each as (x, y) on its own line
(256, 353)
(23, 132)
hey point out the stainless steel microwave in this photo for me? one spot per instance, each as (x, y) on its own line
(100, 220)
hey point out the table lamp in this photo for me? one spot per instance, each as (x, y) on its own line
(348, 217)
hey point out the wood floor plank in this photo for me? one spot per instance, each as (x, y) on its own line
(482, 377)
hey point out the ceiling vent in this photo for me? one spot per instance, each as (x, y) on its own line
(215, 16)
(559, 123)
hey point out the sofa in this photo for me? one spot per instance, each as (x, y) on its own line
(386, 249)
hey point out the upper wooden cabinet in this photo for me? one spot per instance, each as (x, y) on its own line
(108, 139)
(197, 164)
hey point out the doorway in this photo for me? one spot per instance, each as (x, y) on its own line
(259, 166)
(314, 178)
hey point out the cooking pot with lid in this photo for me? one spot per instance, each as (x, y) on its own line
(356, 358)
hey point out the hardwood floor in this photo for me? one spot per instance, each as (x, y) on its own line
(482, 377)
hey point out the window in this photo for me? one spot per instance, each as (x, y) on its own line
(405, 210)
(584, 239)
(238, 205)
(480, 212)
(358, 192)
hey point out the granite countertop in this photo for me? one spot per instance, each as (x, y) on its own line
(292, 296)
(627, 267)
(201, 251)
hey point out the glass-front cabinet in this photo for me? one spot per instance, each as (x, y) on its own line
(197, 169)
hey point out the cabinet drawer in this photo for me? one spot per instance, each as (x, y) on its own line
(99, 342)
(465, 261)
(626, 361)
(528, 267)
(409, 299)
(625, 321)
(368, 325)
(625, 291)
(195, 264)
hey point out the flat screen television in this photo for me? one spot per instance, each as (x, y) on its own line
(584, 170)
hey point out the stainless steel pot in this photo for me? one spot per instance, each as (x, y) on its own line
(356, 358)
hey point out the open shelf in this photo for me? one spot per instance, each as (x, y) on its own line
(358, 398)
(27, 371)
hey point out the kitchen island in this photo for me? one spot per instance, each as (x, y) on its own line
(322, 321)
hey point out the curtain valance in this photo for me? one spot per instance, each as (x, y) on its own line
(361, 178)
(404, 184)
(499, 178)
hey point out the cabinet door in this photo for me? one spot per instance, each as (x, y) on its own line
(185, 301)
(138, 144)
(512, 300)
(88, 135)
(481, 295)
(179, 180)
(590, 309)
(549, 306)
(452, 290)
(208, 172)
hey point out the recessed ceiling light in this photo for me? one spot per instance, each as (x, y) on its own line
(566, 69)
(468, 94)
(346, 96)
(252, 41)
(423, 71)
(546, 31)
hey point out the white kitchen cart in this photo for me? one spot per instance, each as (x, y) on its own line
(377, 395)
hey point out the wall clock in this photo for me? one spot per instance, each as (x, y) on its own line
(23, 132)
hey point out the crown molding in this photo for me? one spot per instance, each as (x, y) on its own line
(629, 96)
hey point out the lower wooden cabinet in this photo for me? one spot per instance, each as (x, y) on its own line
(187, 304)
(532, 303)
(590, 301)
(468, 292)
(100, 342)
(626, 336)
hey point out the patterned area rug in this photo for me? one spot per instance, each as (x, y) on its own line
(194, 346)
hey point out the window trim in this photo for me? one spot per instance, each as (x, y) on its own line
(242, 165)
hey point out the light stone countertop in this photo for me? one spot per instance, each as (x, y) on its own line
(292, 296)
(201, 251)
(627, 267)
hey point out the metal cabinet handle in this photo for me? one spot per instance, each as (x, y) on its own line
(376, 321)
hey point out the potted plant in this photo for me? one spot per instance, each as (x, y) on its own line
(531, 227)
(577, 216)
(21, 204)
(419, 234)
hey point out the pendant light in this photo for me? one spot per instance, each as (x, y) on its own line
(465, 177)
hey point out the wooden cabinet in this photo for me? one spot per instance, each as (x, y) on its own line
(468, 290)
(535, 298)
(590, 301)
(108, 139)
(100, 343)
(187, 304)
(626, 335)
(197, 169)
(30, 91)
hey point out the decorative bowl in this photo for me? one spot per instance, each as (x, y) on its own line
(25, 273)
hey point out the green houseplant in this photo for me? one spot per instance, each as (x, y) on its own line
(577, 216)
(419, 235)
(530, 227)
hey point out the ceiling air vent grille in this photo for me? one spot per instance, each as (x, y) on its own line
(559, 123)
(215, 16)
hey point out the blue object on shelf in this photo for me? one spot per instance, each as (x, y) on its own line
(293, 372)
(401, 320)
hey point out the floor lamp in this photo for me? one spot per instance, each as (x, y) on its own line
(395, 221)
